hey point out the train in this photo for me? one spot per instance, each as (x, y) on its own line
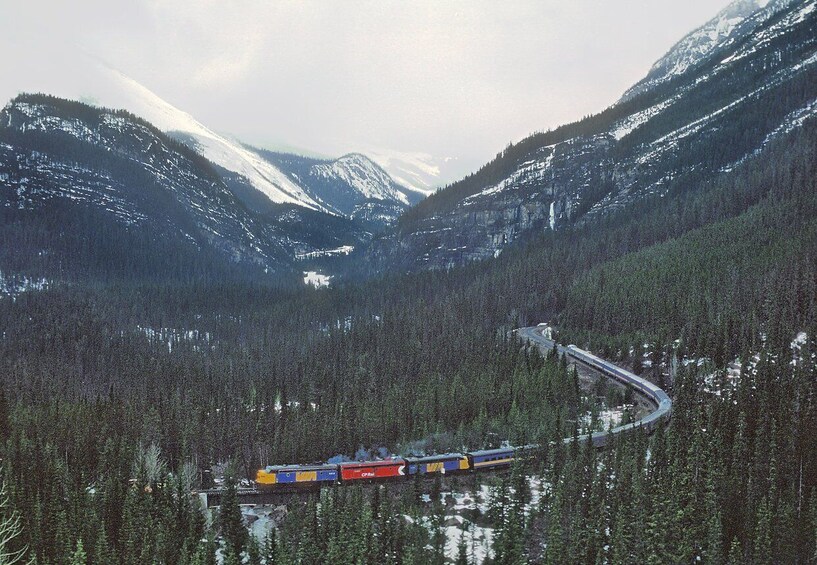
(661, 400)
(281, 477)
(298, 477)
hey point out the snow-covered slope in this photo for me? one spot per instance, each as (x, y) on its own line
(247, 165)
(353, 186)
(222, 151)
(717, 100)
(735, 21)
(363, 175)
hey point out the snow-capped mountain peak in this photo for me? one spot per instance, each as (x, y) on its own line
(353, 185)
(734, 21)
(364, 175)
(352, 178)
(222, 151)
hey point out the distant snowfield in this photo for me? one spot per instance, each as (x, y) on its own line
(418, 171)
(342, 250)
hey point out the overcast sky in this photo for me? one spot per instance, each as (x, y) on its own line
(452, 79)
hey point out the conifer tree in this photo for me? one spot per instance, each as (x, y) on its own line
(78, 557)
(762, 546)
(271, 548)
(735, 553)
(462, 550)
(253, 551)
(229, 516)
(102, 550)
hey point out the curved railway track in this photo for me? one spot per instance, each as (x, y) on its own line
(479, 459)
(659, 399)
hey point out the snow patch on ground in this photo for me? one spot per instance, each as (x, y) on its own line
(800, 340)
(717, 382)
(797, 348)
(459, 506)
(175, 336)
(634, 121)
(608, 418)
(14, 285)
(316, 279)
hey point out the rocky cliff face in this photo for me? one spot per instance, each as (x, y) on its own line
(700, 112)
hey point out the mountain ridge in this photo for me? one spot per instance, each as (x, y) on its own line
(279, 185)
(97, 169)
(700, 43)
(721, 110)
(352, 185)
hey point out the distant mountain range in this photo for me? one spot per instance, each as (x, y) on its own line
(347, 182)
(93, 194)
(353, 186)
(716, 100)
(161, 178)
(97, 194)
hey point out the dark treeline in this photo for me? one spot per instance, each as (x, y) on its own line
(732, 480)
(117, 403)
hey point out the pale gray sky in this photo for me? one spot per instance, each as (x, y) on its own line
(452, 79)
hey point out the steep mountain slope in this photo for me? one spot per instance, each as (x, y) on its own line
(94, 193)
(714, 108)
(349, 180)
(221, 151)
(353, 186)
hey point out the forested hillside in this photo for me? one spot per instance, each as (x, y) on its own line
(720, 108)
(155, 340)
(732, 480)
(159, 383)
(96, 394)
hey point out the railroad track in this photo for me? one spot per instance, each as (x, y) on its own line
(280, 492)
(659, 399)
